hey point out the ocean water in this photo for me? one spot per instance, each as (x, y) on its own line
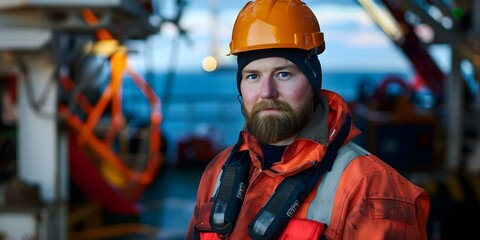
(206, 103)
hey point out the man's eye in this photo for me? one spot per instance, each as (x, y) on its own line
(252, 76)
(283, 74)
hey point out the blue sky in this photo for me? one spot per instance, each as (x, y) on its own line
(238, 4)
(353, 40)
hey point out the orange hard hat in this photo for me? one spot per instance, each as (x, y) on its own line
(264, 24)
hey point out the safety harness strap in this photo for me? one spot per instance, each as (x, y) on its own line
(282, 205)
(230, 193)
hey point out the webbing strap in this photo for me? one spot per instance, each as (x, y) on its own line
(230, 193)
(283, 204)
(279, 209)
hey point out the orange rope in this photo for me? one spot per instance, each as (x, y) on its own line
(112, 94)
(92, 20)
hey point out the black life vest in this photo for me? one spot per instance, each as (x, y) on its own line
(274, 216)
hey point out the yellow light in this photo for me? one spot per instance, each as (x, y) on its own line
(209, 64)
(103, 47)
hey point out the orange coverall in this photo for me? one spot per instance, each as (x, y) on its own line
(372, 200)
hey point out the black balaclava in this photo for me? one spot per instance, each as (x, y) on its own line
(309, 65)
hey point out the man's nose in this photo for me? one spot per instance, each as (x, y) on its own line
(269, 88)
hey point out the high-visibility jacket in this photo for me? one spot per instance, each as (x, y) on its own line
(371, 199)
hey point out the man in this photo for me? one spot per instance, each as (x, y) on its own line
(294, 174)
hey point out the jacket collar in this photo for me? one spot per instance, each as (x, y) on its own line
(317, 127)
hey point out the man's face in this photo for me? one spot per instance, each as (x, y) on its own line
(277, 100)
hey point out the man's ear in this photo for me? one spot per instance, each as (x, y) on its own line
(240, 100)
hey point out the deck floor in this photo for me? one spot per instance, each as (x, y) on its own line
(168, 203)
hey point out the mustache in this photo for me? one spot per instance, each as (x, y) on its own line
(269, 104)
